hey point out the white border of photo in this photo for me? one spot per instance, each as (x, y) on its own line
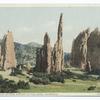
(42, 97)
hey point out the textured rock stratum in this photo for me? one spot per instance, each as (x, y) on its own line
(8, 59)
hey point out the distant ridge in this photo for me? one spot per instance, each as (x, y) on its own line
(26, 53)
(34, 44)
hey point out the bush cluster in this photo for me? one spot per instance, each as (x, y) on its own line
(23, 85)
(9, 86)
(56, 77)
(44, 78)
(91, 87)
(38, 80)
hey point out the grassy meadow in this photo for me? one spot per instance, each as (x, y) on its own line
(68, 87)
(80, 83)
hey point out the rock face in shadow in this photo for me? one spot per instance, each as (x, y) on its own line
(79, 49)
(8, 59)
(94, 49)
(57, 53)
(51, 60)
(43, 60)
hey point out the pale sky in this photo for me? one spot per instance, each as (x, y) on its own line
(29, 24)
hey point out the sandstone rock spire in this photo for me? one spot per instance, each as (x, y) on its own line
(43, 60)
(79, 49)
(8, 52)
(58, 58)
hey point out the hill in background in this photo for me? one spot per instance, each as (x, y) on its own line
(26, 53)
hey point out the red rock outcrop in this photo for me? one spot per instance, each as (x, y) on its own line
(8, 59)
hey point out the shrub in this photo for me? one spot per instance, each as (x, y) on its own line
(44, 78)
(74, 80)
(67, 74)
(91, 88)
(23, 85)
(56, 77)
(37, 80)
(7, 86)
(45, 81)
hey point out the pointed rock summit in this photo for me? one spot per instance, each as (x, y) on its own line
(60, 28)
(8, 59)
(58, 57)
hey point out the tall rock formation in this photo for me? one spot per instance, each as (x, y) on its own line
(86, 50)
(79, 50)
(57, 54)
(8, 59)
(49, 60)
(94, 49)
(43, 60)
